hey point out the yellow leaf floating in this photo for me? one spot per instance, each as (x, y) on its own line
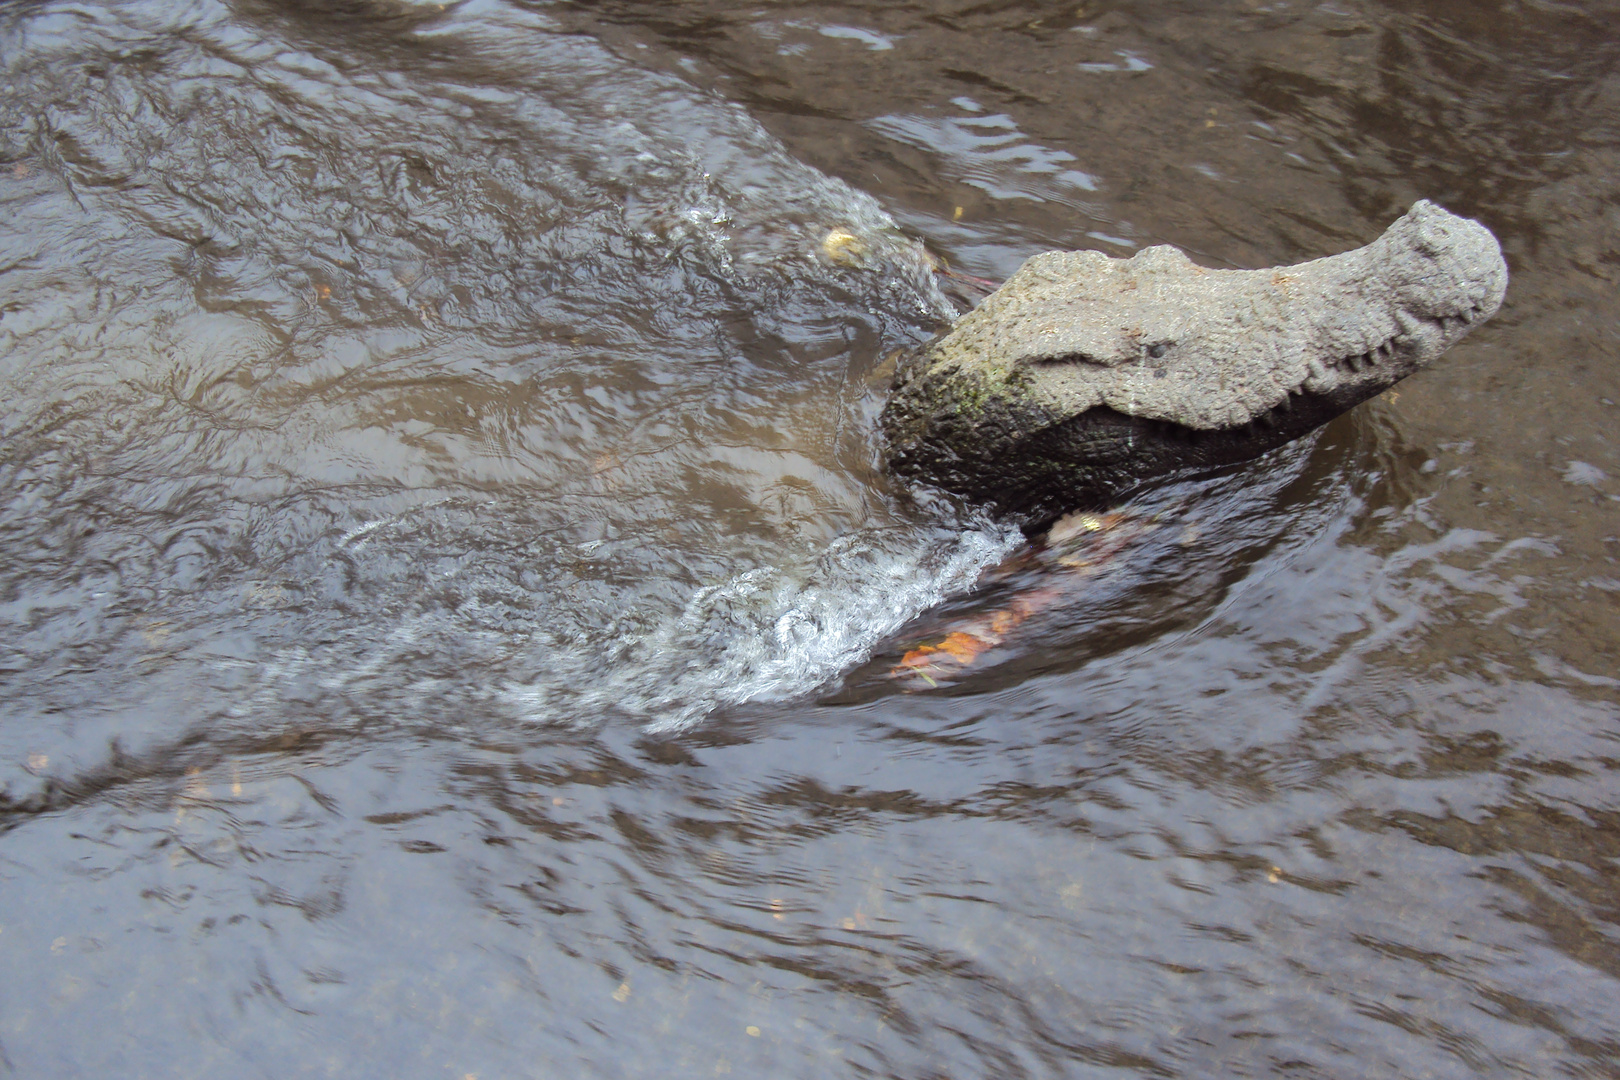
(844, 248)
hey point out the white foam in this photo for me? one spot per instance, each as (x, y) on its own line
(762, 635)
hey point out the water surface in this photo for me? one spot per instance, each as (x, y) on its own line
(449, 587)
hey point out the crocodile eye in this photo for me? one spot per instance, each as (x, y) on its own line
(1156, 351)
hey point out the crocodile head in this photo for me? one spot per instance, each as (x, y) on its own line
(1086, 377)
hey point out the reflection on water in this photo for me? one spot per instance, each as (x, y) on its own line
(448, 587)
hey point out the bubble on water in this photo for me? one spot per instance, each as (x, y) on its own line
(1584, 474)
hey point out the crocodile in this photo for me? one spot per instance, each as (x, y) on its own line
(1086, 378)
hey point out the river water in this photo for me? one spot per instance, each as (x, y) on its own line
(449, 590)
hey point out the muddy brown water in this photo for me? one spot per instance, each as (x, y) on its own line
(448, 586)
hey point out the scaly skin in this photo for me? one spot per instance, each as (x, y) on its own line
(1084, 378)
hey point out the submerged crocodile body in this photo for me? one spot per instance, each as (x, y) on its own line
(1084, 377)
